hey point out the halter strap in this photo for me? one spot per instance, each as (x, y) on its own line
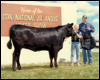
(68, 29)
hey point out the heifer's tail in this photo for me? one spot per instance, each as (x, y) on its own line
(9, 44)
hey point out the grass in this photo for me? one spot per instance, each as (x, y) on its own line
(43, 71)
(93, 48)
(96, 47)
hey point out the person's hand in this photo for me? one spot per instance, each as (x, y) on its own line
(88, 29)
(75, 31)
(81, 37)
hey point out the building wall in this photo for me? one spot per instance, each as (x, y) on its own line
(68, 14)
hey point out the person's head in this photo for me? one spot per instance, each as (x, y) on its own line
(84, 18)
(76, 27)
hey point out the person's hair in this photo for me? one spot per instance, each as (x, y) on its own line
(77, 25)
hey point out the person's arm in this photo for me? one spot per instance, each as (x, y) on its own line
(91, 29)
(78, 33)
(80, 37)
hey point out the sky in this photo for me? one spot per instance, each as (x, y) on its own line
(90, 8)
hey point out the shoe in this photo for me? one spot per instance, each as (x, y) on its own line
(84, 64)
(72, 64)
(90, 63)
(78, 64)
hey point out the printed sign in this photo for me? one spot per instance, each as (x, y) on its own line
(30, 15)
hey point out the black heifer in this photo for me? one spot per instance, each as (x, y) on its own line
(50, 39)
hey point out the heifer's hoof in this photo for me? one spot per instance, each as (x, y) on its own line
(51, 66)
(56, 66)
(14, 70)
(19, 68)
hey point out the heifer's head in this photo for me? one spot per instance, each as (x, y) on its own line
(70, 31)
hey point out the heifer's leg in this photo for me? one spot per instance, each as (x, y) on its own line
(15, 57)
(55, 57)
(51, 58)
(16, 54)
(18, 63)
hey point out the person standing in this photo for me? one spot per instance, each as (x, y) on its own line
(75, 45)
(85, 28)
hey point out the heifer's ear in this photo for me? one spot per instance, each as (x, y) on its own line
(72, 24)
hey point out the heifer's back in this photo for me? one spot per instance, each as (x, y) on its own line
(34, 38)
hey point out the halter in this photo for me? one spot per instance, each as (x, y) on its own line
(68, 29)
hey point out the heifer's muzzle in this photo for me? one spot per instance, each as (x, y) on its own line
(73, 33)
